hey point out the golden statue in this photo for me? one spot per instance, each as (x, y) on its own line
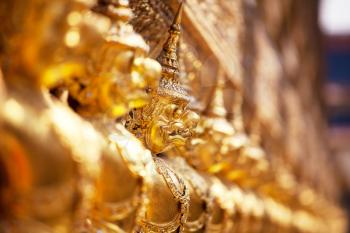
(39, 164)
(166, 122)
(79, 174)
(98, 137)
(118, 73)
(134, 206)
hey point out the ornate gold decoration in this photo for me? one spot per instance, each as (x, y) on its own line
(199, 175)
(50, 157)
(65, 126)
(199, 194)
(181, 194)
(207, 148)
(118, 74)
(165, 122)
(138, 160)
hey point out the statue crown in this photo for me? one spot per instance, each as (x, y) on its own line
(169, 85)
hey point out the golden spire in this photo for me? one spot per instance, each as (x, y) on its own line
(216, 107)
(121, 32)
(169, 83)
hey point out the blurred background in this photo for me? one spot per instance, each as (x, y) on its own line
(335, 25)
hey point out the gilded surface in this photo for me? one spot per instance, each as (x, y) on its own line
(96, 136)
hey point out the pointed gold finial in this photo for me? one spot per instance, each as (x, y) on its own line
(216, 107)
(169, 85)
(121, 32)
(168, 57)
(178, 18)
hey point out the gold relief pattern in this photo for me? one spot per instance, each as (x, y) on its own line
(181, 194)
(200, 192)
(151, 18)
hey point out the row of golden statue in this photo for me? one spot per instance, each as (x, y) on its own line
(97, 137)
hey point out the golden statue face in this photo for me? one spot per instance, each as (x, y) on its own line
(163, 125)
(172, 128)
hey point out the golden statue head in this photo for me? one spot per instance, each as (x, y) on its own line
(38, 35)
(166, 122)
(121, 72)
(94, 54)
(207, 148)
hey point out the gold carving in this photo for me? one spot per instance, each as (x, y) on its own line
(116, 77)
(86, 171)
(165, 122)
